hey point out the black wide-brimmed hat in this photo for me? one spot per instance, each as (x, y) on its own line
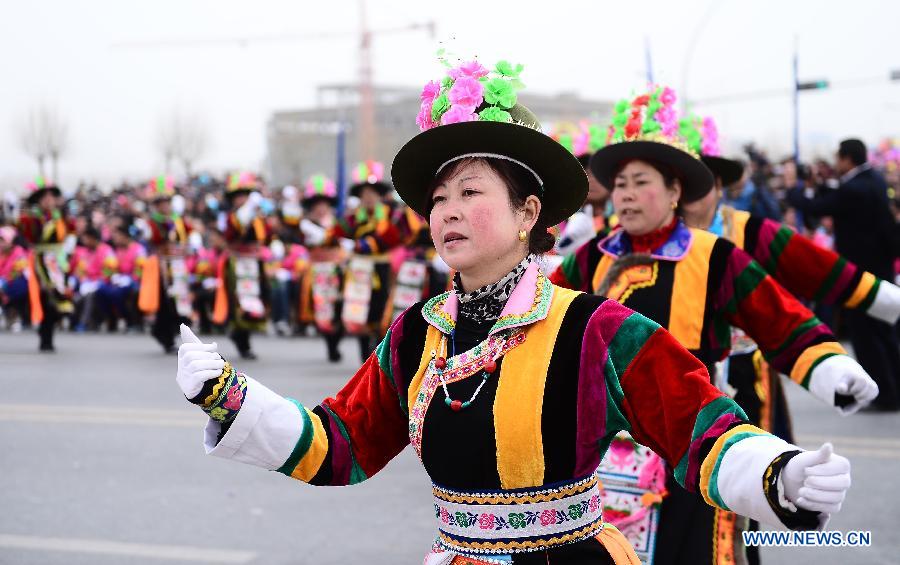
(520, 140)
(646, 127)
(729, 170)
(695, 177)
(241, 183)
(369, 174)
(38, 188)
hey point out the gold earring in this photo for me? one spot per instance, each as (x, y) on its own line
(523, 235)
(674, 205)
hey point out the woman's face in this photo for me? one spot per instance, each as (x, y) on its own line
(472, 223)
(641, 199)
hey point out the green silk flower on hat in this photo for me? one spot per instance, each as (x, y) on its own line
(470, 92)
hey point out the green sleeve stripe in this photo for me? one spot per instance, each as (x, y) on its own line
(870, 298)
(357, 475)
(831, 279)
(806, 326)
(571, 271)
(745, 283)
(808, 376)
(776, 248)
(705, 419)
(630, 337)
(713, 492)
(383, 353)
(303, 442)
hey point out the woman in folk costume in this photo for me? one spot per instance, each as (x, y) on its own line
(242, 292)
(50, 234)
(321, 286)
(697, 286)
(509, 388)
(369, 271)
(802, 267)
(14, 276)
(164, 292)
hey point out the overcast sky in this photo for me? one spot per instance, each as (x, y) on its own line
(65, 54)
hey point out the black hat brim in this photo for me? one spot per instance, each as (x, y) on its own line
(729, 170)
(382, 187)
(229, 194)
(696, 178)
(564, 180)
(37, 194)
(308, 203)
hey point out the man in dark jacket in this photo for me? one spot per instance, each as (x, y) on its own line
(864, 232)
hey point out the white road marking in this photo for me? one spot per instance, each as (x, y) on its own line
(55, 414)
(106, 547)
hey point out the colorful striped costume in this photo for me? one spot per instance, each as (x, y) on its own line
(700, 286)
(514, 471)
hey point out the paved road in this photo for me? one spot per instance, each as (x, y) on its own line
(102, 463)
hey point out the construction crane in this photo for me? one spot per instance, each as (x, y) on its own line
(367, 132)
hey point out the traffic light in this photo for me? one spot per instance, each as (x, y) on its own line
(813, 85)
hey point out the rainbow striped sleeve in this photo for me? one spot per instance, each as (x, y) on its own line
(791, 338)
(807, 270)
(574, 272)
(350, 437)
(662, 395)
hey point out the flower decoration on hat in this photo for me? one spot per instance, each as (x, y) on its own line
(700, 134)
(320, 186)
(650, 116)
(581, 138)
(470, 92)
(162, 186)
(368, 172)
(39, 183)
(243, 181)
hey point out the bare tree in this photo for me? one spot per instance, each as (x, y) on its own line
(44, 134)
(184, 139)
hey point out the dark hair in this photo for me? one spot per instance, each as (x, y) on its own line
(520, 184)
(853, 149)
(91, 231)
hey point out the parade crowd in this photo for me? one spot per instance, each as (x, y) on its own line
(713, 267)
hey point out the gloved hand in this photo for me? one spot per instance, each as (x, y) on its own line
(277, 249)
(313, 233)
(197, 363)
(886, 306)
(817, 480)
(841, 374)
(246, 212)
(579, 229)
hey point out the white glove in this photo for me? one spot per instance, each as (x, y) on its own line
(843, 375)
(579, 230)
(178, 204)
(195, 241)
(283, 275)
(70, 243)
(348, 245)
(246, 212)
(817, 480)
(277, 249)
(197, 363)
(210, 283)
(121, 280)
(886, 306)
(313, 233)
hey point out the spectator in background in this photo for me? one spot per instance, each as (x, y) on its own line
(864, 230)
(752, 192)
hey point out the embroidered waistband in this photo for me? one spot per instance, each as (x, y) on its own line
(503, 522)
